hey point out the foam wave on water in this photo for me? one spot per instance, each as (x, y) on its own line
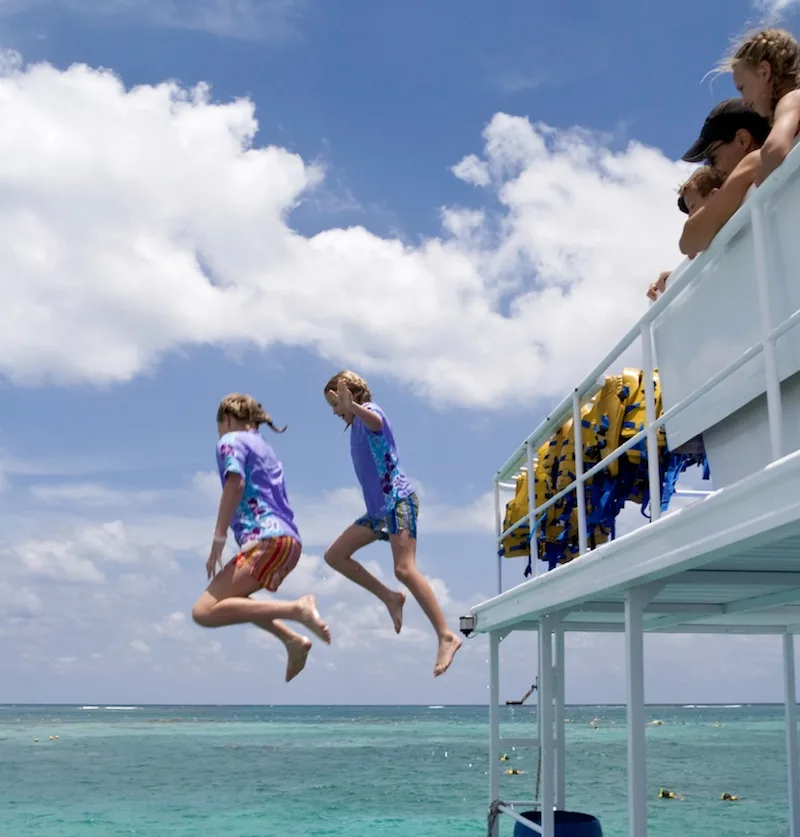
(120, 707)
(436, 707)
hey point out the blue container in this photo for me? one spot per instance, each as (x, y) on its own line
(568, 824)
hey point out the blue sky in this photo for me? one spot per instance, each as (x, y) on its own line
(466, 204)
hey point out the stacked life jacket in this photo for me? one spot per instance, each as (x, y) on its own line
(611, 418)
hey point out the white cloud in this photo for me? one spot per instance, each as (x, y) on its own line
(54, 559)
(774, 9)
(140, 647)
(163, 189)
(87, 494)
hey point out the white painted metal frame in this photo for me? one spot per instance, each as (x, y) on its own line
(645, 581)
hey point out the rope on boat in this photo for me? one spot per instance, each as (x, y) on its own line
(494, 813)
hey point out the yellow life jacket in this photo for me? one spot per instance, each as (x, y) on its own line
(516, 544)
(612, 417)
(636, 414)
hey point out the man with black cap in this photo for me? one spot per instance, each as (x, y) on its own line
(730, 141)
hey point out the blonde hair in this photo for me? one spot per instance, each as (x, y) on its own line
(704, 180)
(355, 383)
(246, 409)
(779, 49)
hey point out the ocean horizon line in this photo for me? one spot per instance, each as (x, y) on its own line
(134, 705)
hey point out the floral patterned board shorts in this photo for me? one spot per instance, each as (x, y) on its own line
(270, 560)
(402, 516)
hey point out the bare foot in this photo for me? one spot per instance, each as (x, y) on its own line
(297, 649)
(448, 645)
(395, 608)
(309, 616)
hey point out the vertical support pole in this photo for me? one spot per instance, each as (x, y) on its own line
(494, 720)
(532, 509)
(561, 744)
(546, 725)
(792, 767)
(635, 602)
(580, 486)
(653, 471)
(768, 343)
(498, 525)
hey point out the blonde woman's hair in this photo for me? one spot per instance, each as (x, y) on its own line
(778, 48)
(246, 409)
(355, 383)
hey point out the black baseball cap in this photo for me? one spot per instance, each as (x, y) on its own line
(721, 125)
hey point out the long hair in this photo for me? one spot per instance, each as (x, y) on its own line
(246, 409)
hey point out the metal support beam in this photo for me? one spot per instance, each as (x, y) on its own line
(699, 608)
(781, 597)
(546, 693)
(792, 768)
(494, 723)
(735, 578)
(635, 602)
(561, 744)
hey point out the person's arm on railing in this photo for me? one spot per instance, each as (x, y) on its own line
(700, 229)
(779, 142)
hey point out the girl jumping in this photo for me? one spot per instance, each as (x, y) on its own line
(766, 72)
(255, 506)
(391, 512)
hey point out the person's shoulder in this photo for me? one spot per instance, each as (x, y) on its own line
(234, 440)
(789, 100)
(375, 408)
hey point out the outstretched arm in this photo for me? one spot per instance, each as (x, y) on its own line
(232, 493)
(779, 142)
(373, 421)
(231, 496)
(700, 229)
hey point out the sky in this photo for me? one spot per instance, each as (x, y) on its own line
(465, 206)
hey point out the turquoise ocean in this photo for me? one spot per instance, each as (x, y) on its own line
(277, 771)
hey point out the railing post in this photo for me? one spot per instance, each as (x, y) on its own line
(532, 509)
(768, 343)
(498, 523)
(580, 486)
(653, 470)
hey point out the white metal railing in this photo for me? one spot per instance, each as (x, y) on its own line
(689, 273)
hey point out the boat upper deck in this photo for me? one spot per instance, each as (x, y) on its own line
(728, 355)
(728, 563)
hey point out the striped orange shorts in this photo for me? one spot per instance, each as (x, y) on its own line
(270, 560)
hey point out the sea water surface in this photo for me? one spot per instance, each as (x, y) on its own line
(277, 771)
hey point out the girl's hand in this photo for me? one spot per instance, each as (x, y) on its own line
(214, 559)
(344, 397)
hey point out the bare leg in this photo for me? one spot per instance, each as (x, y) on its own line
(404, 550)
(297, 647)
(339, 556)
(226, 602)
